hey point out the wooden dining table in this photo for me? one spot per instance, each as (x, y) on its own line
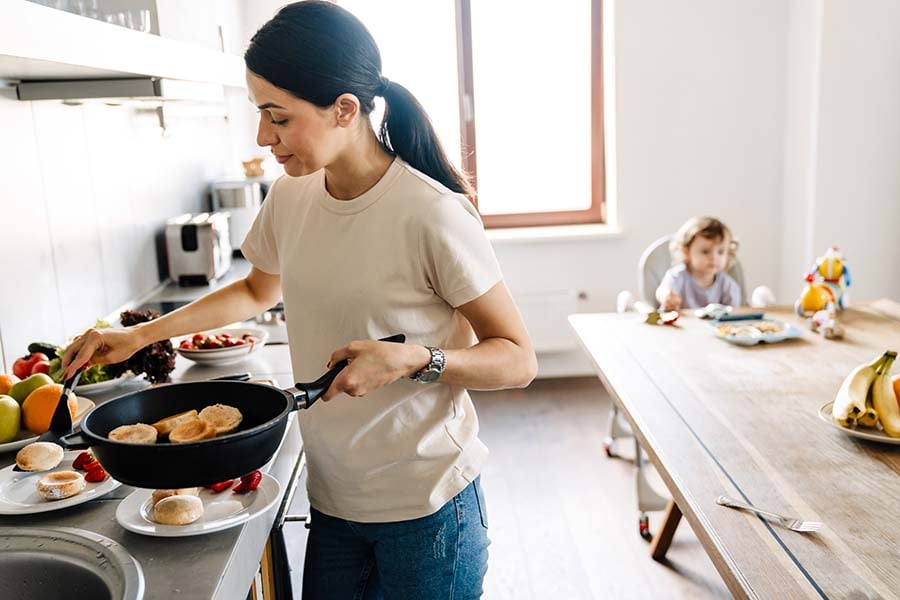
(743, 421)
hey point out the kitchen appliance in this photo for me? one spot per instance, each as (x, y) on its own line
(242, 198)
(167, 465)
(198, 247)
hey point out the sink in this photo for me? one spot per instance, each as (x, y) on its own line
(65, 562)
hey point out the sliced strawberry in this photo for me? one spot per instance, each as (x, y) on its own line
(81, 460)
(221, 486)
(96, 474)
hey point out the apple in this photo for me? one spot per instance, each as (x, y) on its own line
(23, 366)
(41, 366)
(10, 417)
(21, 390)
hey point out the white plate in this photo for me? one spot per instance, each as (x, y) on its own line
(220, 511)
(105, 386)
(223, 356)
(25, 437)
(19, 496)
(873, 435)
(789, 332)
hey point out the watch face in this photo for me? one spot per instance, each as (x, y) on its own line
(429, 376)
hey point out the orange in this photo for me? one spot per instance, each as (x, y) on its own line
(37, 410)
(6, 382)
(897, 387)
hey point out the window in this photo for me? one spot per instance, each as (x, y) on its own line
(514, 89)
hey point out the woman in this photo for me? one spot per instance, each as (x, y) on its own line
(368, 235)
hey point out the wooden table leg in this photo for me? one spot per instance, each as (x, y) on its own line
(663, 539)
(267, 572)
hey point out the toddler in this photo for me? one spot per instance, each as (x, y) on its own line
(705, 249)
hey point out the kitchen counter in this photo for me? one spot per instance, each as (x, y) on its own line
(220, 565)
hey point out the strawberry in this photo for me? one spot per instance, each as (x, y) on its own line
(96, 474)
(81, 460)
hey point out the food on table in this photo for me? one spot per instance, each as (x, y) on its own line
(96, 473)
(7, 380)
(161, 494)
(867, 398)
(39, 456)
(94, 470)
(193, 431)
(178, 510)
(139, 433)
(39, 406)
(21, 389)
(10, 418)
(200, 341)
(223, 417)
(60, 484)
(755, 329)
(165, 426)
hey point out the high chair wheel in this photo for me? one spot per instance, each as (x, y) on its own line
(644, 527)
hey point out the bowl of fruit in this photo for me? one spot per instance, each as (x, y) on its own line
(218, 347)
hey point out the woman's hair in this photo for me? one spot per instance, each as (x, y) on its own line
(705, 227)
(317, 51)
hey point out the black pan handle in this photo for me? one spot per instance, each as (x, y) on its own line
(73, 441)
(305, 394)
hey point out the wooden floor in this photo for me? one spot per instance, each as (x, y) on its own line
(562, 516)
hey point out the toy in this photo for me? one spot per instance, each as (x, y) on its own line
(825, 322)
(826, 284)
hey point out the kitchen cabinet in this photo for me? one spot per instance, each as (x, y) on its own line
(38, 42)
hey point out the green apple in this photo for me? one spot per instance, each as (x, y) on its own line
(10, 417)
(21, 390)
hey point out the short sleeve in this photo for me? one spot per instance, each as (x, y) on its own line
(731, 291)
(259, 246)
(670, 281)
(459, 260)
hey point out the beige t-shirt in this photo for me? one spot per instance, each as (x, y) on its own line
(397, 259)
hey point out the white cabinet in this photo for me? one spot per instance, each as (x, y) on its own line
(37, 42)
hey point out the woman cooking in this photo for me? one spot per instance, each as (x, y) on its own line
(366, 236)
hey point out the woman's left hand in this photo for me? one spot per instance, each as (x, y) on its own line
(374, 364)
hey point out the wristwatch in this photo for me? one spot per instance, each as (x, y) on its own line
(432, 371)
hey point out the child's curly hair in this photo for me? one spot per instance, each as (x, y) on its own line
(706, 227)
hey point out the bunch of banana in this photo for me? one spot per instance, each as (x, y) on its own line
(866, 397)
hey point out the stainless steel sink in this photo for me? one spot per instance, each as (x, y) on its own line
(65, 562)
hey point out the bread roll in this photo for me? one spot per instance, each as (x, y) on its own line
(193, 431)
(178, 510)
(165, 426)
(223, 417)
(139, 433)
(161, 494)
(61, 484)
(39, 456)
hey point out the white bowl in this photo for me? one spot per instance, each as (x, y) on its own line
(223, 356)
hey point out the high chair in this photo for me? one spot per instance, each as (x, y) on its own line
(653, 264)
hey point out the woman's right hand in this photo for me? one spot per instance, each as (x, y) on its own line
(101, 346)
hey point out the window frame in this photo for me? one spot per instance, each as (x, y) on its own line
(468, 128)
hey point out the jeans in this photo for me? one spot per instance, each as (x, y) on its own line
(442, 556)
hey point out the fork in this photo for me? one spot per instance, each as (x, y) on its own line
(792, 524)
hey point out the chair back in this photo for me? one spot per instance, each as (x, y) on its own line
(657, 259)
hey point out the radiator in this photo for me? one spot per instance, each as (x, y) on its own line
(546, 317)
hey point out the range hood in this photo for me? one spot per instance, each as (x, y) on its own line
(124, 89)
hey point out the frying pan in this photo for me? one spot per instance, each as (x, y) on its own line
(265, 411)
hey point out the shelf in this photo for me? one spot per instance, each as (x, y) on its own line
(41, 43)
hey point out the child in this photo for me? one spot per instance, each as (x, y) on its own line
(705, 249)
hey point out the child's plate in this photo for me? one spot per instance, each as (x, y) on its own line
(758, 331)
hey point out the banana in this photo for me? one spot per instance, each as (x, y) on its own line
(884, 399)
(850, 403)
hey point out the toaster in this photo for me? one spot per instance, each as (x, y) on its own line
(198, 247)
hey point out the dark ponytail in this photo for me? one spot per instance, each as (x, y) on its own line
(317, 51)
